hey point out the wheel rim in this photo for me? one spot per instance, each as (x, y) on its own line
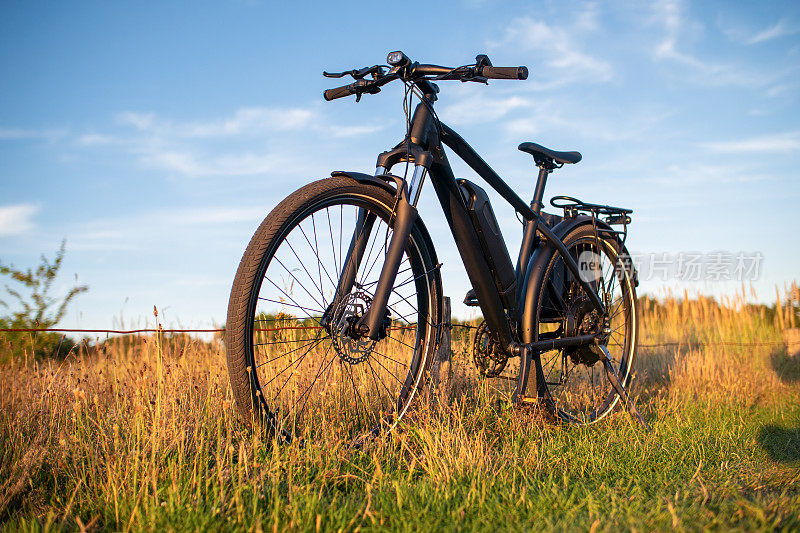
(575, 382)
(322, 383)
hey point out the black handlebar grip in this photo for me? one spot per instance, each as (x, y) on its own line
(339, 92)
(505, 73)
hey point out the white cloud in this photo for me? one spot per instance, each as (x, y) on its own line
(560, 46)
(670, 15)
(189, 164)
(194, 149)
(16, 134)
(142, 121)
(252, 120)
(739, 31)
(679, 31)
(699, 175)
(94, 139)
(775, 143)
(779, 29)
(353, 131)
(16, 219)
(140, 230)
(244, 121)
(491, 109)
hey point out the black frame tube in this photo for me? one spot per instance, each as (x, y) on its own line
(425, 138)
(563, 342)
(454, 141)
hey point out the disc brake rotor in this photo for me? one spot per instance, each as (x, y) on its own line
(350, 346)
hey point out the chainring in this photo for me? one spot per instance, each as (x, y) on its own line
(489, 358)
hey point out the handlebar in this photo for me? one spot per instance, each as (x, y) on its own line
(419, 74)
(339, 92)
(505, 73)
(360, 87)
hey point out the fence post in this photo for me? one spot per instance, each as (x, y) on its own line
(442, 365)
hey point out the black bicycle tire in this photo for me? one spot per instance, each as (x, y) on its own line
(575, 235)
(263, 243)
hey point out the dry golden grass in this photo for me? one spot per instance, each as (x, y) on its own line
(141, 433)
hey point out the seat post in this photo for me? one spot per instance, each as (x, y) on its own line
(529, 231)
(541, 181)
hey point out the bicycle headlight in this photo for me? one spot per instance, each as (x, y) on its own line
(397, 59)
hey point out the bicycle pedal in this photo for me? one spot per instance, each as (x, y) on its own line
(470, 299)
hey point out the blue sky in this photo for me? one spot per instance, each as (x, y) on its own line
(154, 137)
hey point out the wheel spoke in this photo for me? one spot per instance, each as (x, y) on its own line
(313, 341)
(284, 303)
(586, 395)
(295, 372)
(313, 282)
(298, 282)
(315, 249)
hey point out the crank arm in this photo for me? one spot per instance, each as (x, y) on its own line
(623, 394)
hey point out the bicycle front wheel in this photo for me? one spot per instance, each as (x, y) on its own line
(295, 360)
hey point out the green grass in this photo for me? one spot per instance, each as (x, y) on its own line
(144, 436)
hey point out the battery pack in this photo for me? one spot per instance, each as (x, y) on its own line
(491, 239)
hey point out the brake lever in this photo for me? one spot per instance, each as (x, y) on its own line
(479, 79)
(365, 86)
(375, 71)
(457, 73)
(337, 74)
(463, 74)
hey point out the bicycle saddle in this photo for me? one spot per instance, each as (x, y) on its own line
(540, 153)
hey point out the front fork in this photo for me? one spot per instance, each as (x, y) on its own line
(372, 324)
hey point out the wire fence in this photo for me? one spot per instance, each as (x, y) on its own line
(670, 344)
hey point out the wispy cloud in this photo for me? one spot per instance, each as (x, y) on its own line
(16, 134)
(702, 175)
(780, 29)
(187, 163)
(95, 139)
(17, 219)
(463, 111)
(208, 148)
(776, 143)
(560, 44)
(744, 33)
(680, 30)
(524, 117)
(141, 230)
(670, 14)
(244, 121)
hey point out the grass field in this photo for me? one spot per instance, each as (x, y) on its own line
(141, 434)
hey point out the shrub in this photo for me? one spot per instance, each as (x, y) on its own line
(36, 308)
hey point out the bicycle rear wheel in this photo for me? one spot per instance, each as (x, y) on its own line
(312, 377)
(572, 382)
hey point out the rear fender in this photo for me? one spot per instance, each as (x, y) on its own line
(534, 273)
(536, 268)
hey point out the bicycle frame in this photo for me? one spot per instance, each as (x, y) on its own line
(423, 146)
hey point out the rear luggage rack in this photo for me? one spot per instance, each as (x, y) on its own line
(610, 215)
(572, 206)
